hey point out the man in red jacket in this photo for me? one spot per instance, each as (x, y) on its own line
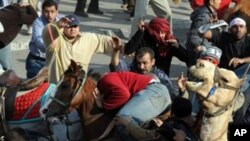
(140, 96)
(134, 93)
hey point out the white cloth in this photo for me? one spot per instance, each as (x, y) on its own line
(1, 28)
(237, 21)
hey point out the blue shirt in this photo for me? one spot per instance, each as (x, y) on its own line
(36, 45)
(125, 66)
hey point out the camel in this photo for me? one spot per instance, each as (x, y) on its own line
(218, 91)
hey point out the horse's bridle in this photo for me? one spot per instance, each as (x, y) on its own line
(2, 111)
(80, 80)
(221, 84)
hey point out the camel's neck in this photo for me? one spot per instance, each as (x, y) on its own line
(215, 128)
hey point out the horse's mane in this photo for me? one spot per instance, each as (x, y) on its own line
(94, 75)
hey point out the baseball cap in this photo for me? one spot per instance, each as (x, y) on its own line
(73, 20)
(213, 52)
(237, 21)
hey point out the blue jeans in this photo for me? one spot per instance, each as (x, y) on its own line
(147, 103)
(6, 57)
(33, 65)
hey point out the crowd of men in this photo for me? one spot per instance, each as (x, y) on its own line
(132, 87)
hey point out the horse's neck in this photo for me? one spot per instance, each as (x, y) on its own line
(86, 102)
(90, 112)
(215, 128)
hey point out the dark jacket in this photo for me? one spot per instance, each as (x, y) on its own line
(199, 17)
(163, 133)
(12, 18)
(144, 39)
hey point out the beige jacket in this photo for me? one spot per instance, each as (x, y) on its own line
(61, 51)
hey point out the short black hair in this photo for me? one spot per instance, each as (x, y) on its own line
(49, 3)
(142, 51)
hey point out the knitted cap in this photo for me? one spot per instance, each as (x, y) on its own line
(213, 52)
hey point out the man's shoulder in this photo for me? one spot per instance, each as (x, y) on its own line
(40, 21)
(200, 12)
(158, 72)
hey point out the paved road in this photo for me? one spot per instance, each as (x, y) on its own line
(114, 19)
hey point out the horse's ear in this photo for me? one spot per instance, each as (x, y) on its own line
(73, 65)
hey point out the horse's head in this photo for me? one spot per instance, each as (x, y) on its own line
(67, 89)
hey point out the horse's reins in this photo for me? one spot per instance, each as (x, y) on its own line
(65, 105)
(221, 84)
(2, 110)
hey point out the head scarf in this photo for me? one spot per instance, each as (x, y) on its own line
(155, 26)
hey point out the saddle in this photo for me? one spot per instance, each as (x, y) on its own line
(16, 107)
(13, 89)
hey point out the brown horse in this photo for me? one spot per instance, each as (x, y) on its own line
(71, 93)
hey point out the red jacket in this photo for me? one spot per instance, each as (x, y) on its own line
(119, 87)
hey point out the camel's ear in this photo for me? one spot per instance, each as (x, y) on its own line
(241, 81)
(230, 76)
(227, 75)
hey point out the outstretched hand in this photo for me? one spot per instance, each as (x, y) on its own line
(158, 122)
(173, 43)
(141, 25)
(181, 82)
(117, 43)
(63, 22)
(235, 62)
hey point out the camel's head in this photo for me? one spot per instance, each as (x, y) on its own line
(203, 72)
(223, 84)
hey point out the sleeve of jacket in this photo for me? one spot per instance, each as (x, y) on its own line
(246, 119)
(37, 35)
(122, 66)
(143, 134)
(134, 43)
(167, 82)
(28, 14)
(194, 38)
(180, 53)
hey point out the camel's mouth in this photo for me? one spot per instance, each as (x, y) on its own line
(196, 84)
